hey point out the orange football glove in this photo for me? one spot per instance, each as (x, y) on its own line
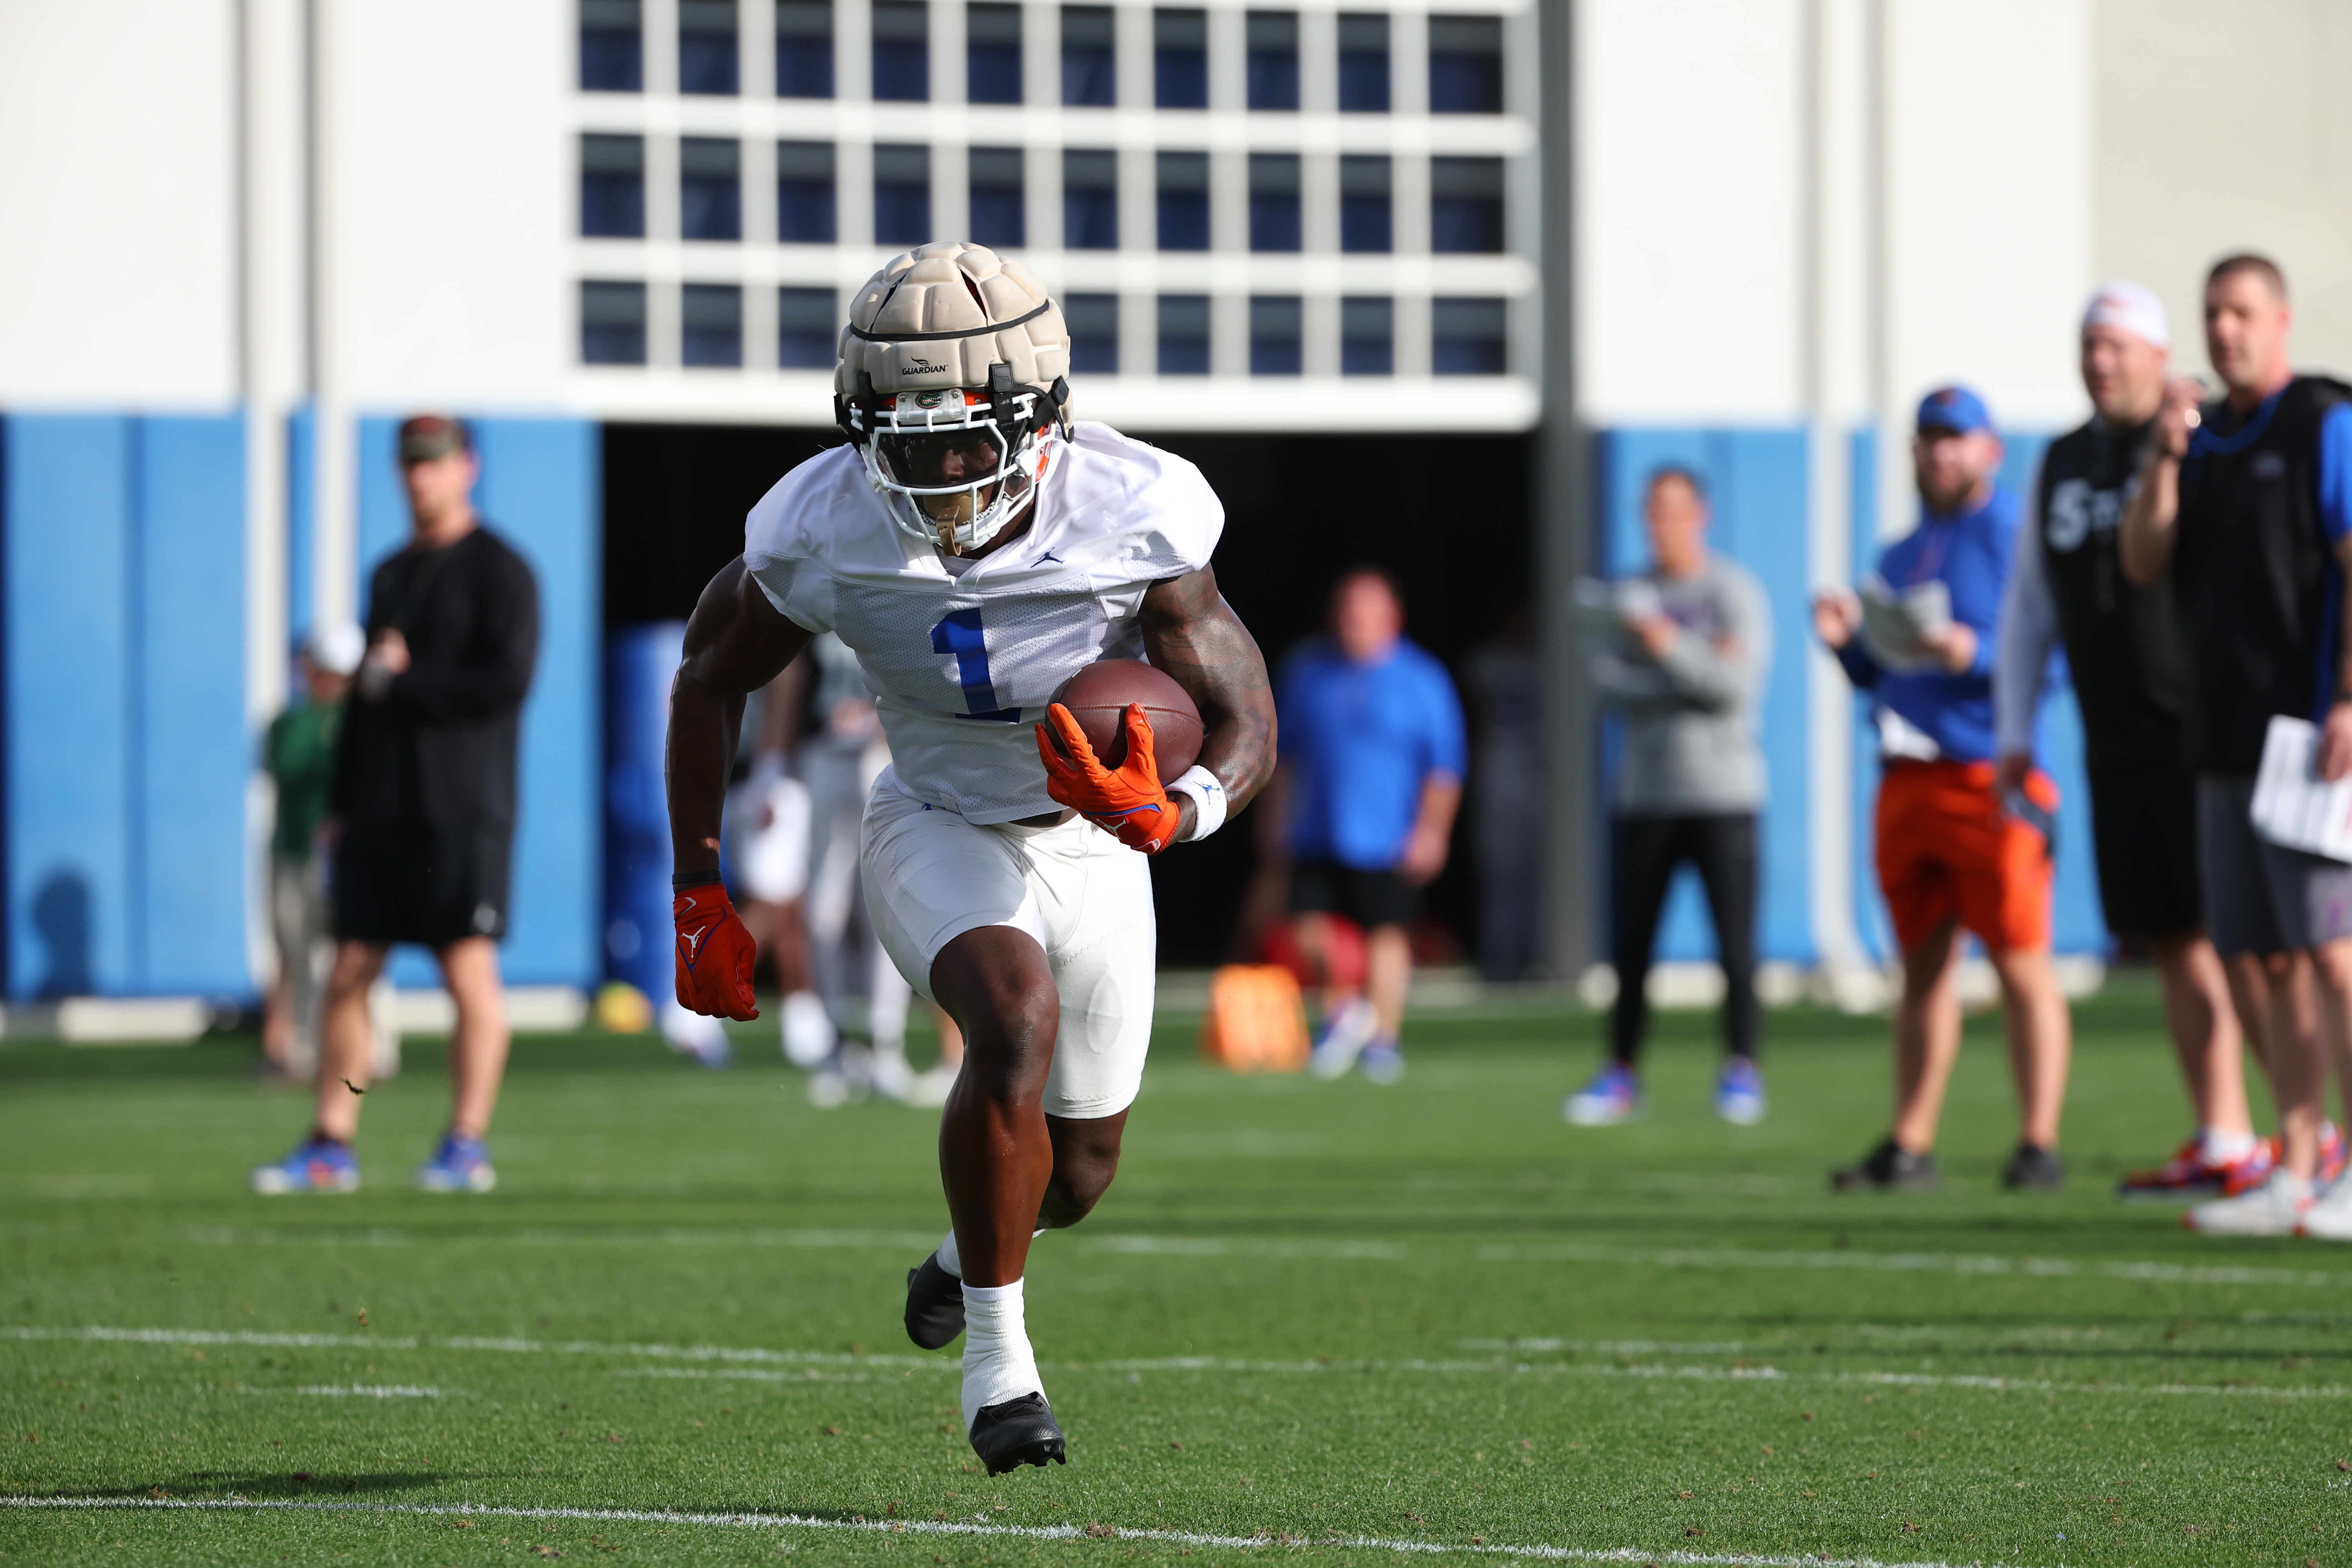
(714, 954)
(1126, 800)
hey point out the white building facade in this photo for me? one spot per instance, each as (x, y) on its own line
(1746, 233)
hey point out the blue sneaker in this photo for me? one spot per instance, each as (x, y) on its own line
(459, 1165)
(1614, 1095)
(316, 1165)
(1345, 1033)
(1739, 1092)
(1381, 1060)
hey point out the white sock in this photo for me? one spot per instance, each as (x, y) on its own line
(951, 1260)
(998, 1364)
(807, 1029)
(2227, 1148)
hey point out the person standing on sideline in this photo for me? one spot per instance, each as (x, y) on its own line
(1372, 754)
(1687, 669)
(424, 809)
(2130, 671)
(1954, 853)
(2246, 505)
(298, 754)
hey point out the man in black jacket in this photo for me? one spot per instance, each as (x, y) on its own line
(2246, 505)
(424, 809)
(2130, 666)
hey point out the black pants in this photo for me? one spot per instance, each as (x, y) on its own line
(1645, 851)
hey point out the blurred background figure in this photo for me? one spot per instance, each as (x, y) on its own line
(2245, 504)
(2130, 669)
(1503, 684)
(300, 757)
(863, 991)
(1955, 855)
(770, 838)
(1370, 776)
(422, 807)
(1686, 669)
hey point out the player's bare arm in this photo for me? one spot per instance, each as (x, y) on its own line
(1190, 632)
(735, 643)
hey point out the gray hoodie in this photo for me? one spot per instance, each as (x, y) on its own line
(1690, 717)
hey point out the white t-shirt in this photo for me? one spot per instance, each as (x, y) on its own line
(963, 656)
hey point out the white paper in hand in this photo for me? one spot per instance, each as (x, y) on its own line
(1895, 624)
(2292, 806)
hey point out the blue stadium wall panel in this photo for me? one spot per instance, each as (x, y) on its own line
(638, 664)
(541, 490)
(127, 752)
(1756, 481)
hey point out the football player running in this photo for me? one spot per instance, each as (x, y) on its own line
(976, 549)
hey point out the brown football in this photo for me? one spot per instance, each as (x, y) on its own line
(1097, 696)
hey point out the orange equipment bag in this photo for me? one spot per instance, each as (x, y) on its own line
(1256, 1021)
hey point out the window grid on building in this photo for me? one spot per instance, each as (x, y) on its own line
(1270, 201)
(612, 46)
(706, 48)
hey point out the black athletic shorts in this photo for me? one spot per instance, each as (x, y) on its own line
(421, 883)
(1367, 898)
(2144, 831)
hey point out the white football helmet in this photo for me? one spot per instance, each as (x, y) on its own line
(953, 386)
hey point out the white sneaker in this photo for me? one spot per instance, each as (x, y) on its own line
(805, 1029)
(893, 1075)
(929, 1090)
(848, 1074)
(1344, 1035)
(2277, 1207)
(696, 1035)
(2329, 1217)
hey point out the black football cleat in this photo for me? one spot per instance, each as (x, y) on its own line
(1889, 1168)
(934, 1305)
(2033, 1169)
(1016, 1433)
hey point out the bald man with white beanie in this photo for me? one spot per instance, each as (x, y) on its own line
(2129, 661)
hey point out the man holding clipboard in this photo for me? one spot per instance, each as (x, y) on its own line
(2246, 503)
(1955, 855)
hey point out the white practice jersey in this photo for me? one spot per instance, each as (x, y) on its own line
(963, 656)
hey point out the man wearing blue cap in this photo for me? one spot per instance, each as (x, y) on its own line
(1955, 853)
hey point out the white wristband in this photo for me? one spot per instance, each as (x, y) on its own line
(1208, 800)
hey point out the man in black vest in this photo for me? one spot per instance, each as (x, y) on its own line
(2131, 675)
(424, 809)
(2247, 503)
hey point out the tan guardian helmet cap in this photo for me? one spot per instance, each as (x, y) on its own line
(939, 317)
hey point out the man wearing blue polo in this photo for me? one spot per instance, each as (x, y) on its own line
(1372, 764)
(1956, 852)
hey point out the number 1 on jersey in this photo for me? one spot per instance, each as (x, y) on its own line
(960, 634)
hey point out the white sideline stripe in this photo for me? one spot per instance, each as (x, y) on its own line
(1907, 1262)
(370, 1391)
(1959, 1380)
(1153, 1364)
(878, 1240)
(947, 1526)
(1386, 1251)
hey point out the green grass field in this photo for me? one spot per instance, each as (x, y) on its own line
(1329, 1322)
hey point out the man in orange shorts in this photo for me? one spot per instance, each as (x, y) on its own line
(1956, 855)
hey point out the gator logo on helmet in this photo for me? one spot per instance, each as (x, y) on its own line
(930, 399)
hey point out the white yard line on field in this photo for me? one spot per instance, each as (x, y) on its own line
(1907, 1262)
(1491, 1367)
(950, 1527)
(1321, 1247)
